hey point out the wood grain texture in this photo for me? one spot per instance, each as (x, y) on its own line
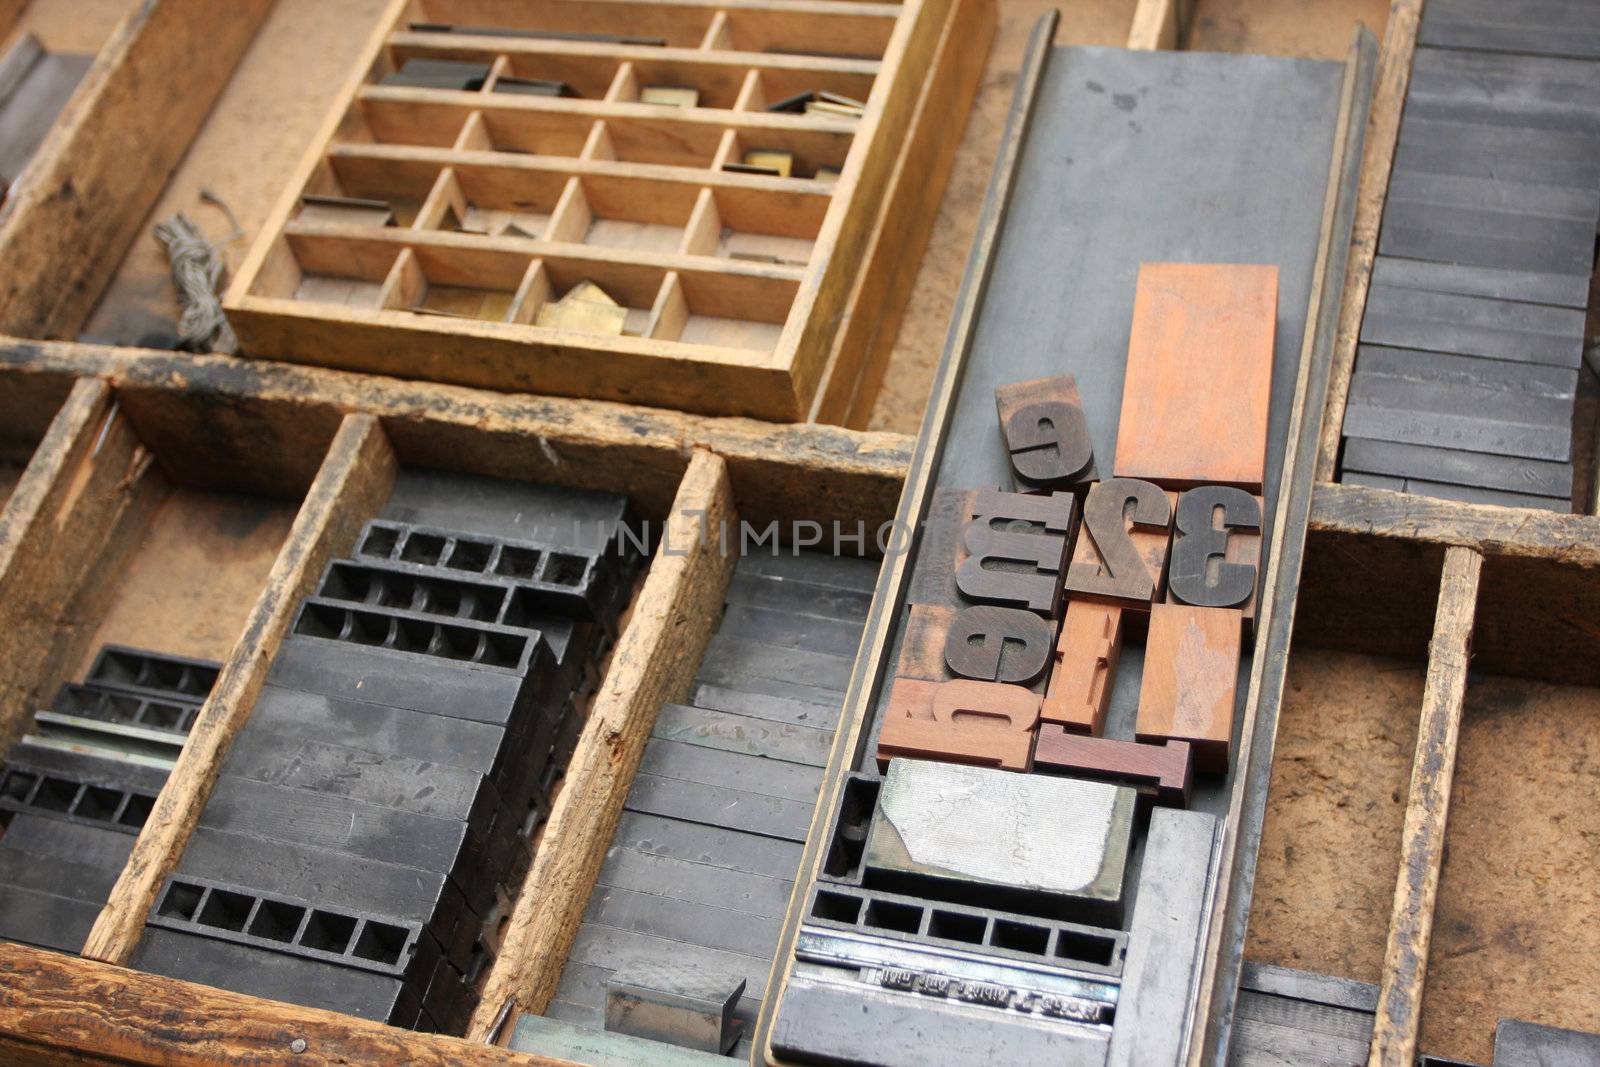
(1199, 377)
(654, 662)
(1494, 531)
(57, 1010)
(1159, 24)
(858, 359)
(73, 516)
(78, 206)
(1087, 651)
(1162, 771)
(1377, 159)
(1405, 961)
(987, 724)
(1191, 677)
(250, 413)
(355, 479)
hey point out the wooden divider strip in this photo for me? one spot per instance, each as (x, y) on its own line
(84, 195)
(1159, 25)
(1491, 530)
(57, 1010)
(356, 477)
(1405, 961)
(654, 662)
(87, 481)
(859, 355)
(1383, 130)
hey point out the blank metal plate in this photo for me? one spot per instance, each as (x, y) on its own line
(1534, 27)
(744, 734)
(1481, 469)
(1473, 326)
(1562, 290)
(978, 826)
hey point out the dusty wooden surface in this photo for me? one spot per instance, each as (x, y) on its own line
(1331, 844)
(1515, 931)
(193, 577)
(70, 25)
(245, 153)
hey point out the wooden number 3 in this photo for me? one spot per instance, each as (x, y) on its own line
(1193, 578)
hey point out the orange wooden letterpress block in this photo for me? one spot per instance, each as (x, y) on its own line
(1086, 664)
(1135, 573)
(988, 724)
(1199, 375)
(1191, 674)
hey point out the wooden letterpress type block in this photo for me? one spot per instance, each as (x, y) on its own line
(994, 644)
(1161, 770)
(1121, 554)
(1216, 550)
(982, 642)
(939, 549)
(1017, 548)
(1199, 375)
(1046, 433)
(987, 724)
(1086, 664)
(1191, 674)
(922, 644)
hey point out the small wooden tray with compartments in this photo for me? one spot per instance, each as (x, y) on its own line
(500, 200)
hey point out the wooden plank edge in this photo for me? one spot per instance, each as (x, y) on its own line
(244, 279)
(1159, 25)
(654, 662)
(858, 357)
(1405, 961)
(58, 1009)
(1383, 131)
(846, 227)
(356, 477)
(840, 473)
(1240, 837)
(1487, 528)
(74, 429)
(84, 195)
(94, 486)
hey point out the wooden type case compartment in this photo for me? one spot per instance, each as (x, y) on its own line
(333, 441)
(734, 281)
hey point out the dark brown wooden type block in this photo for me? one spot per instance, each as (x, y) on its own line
(940, 550)
(995, 644)
(1121, 554)
(1216, 550)
(982, 642)
(1017, 547)
(1163, 771)
(1047, 434)
(988, 724)
(1191, 674)
(1086, 665)
(1198, 385)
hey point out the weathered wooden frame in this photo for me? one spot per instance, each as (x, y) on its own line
(79, 204)
(831, 310)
